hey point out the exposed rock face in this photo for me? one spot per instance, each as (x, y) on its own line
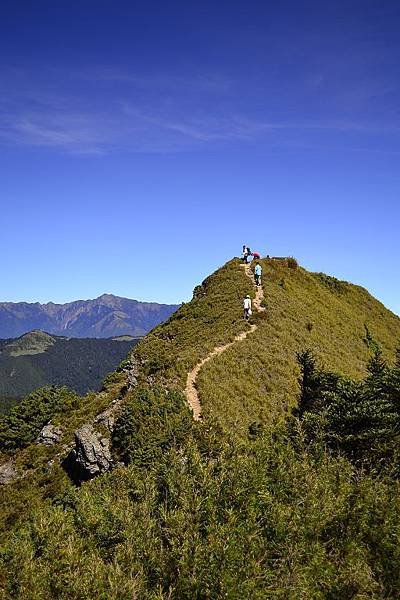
(91, 455)
(49, 435)
(7, 472)
(132, 370)
(106, 418)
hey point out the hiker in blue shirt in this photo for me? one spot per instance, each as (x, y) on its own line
(257, 273)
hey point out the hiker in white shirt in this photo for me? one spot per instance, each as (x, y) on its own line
(247, 307)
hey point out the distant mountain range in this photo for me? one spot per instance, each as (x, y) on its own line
(37, 359)
(106, 316)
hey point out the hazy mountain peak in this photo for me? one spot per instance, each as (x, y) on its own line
(105, 316)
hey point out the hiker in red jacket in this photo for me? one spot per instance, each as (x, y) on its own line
(256, 256)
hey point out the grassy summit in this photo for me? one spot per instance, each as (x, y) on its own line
(256, 380)
(340, 322)
(34, 342)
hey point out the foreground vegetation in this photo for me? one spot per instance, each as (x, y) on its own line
(197, 515)
(294, 498)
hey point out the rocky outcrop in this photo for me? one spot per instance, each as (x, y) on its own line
(7, 472)
(49, 435)
(91, 455)
(107, 418)
(132, 370)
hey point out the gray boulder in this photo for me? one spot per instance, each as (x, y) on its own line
(107, 418)
(49, 435)
(91, 455)
(7, 472)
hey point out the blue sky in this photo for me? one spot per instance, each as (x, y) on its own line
(143, 143)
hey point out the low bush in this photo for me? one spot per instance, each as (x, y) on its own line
(21, 426)
(152, 421)
(263, 519)
(334, 285)
(359, 419)
(292, 263)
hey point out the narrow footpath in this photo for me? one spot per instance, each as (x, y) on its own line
(191, 393)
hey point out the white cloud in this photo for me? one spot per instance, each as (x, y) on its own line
(103, 110)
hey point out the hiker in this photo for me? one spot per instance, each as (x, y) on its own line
(245, 253)
(247, 308)
(257, 273)
(256, 255)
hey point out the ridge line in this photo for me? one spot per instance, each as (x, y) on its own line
(191, 393)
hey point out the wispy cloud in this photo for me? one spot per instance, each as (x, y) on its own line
(102, 110)
(147, 115)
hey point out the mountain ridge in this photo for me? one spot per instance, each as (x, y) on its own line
(102, 317)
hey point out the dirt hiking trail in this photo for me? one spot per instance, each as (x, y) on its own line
(191, 393)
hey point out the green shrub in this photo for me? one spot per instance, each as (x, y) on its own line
(334, 285)
(369, 340)
(360, 419)
(23, 423)
(262, 519)
(152, 421)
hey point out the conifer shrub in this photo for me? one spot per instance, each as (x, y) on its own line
(360, 419)
(21, 426)
(152, 421)
(334, 285)
(369, 339)
(261, 519)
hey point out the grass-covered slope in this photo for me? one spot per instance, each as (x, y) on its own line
(306, 508)
(213, 317)
(256, 380)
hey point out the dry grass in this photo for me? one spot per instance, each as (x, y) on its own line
(256, 380)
